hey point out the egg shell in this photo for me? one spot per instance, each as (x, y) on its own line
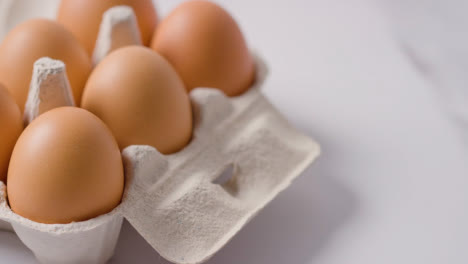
(206, 47)
(138, 94)
(11, 125)
(83, 18)
(65, 167)
(35, 39)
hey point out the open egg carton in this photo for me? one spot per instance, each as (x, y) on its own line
(186, 205)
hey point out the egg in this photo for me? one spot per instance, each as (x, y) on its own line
(206, 47)
(138, 94)
(83, 18)
(35, 39)
(66, 167)
(11, 125)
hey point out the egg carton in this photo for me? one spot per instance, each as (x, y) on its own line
(186, 205)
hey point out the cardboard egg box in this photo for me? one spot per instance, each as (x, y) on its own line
(186, 205)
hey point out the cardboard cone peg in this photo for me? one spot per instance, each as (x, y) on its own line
(118, 28)
(49, 88)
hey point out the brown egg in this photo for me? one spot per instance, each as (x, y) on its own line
(205, 46)
(66, 167)
(83, 18)
(32, 40)
(137, 93)
(11, 125)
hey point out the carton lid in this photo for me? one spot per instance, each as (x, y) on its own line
(179, 203)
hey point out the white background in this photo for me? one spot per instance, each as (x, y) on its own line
(380, 84)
